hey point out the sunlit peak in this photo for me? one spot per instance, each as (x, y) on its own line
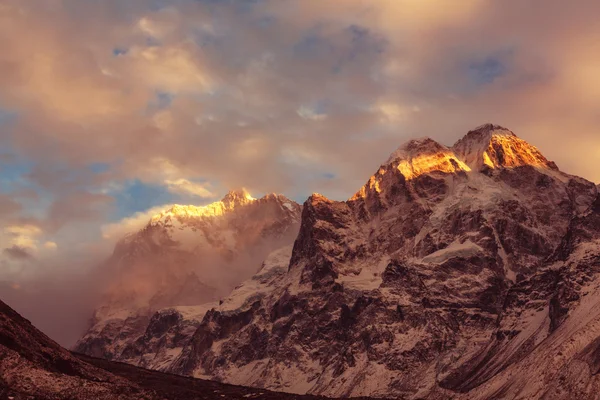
(413, 159)
(237, 196)
(493, 146)
(422, 156)
(232, 199)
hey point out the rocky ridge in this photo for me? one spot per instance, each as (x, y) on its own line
(454, 272)
(448, 268)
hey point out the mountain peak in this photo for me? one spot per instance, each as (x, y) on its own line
(493, 146)
(416, 147)
(237, 197)
(490, 128)
(232, 199)
(420, 156)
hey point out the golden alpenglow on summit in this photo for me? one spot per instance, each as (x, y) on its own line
(299, 199)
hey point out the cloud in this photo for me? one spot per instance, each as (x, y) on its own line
(244, 72)
(18, 253)
(132, 224)
(310, 113)
(8, 206)
(184, 186)
(50, 245)
(23, 236)
(79, 206)
(390, 112)
(176, 69)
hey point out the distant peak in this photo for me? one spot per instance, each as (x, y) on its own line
(232, 199)
(237, 197)
(494, 146)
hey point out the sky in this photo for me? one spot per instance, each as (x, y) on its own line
(110, 110)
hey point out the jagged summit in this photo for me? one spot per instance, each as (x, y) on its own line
(487, 147)
(421, 156)
(412, 159)
(416, 147)
(232, 200)
(490, 128)
(492, 146)
(237, 197)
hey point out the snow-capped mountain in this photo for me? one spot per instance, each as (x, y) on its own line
(32, 366)
(184, 257)
(454, 272)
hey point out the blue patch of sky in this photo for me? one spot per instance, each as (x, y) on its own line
(161, 101)
(164, 99)
(348, 47)
(362, 45)
(328, 175)
(312, 46)
(157, 5)
(364, 41)
(244, 5)
(320, 107)
(7, 116)
(314, 109)
(487, 70)
(98, 167)
(137, 196)
(119, 51)
(12, 166)
(12, 172)
(13, 181)
(266, 21)
(204, 38)
(151, 41)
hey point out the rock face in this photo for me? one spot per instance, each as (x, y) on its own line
(453, 272)
(184, 257)
(32, 366)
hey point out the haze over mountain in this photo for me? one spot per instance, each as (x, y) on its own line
(184, 257)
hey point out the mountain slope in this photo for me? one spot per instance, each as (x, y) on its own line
(183, 257)
(441, 273)
(34, 366)
(565, 365)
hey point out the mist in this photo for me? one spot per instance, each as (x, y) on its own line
(144, 271)
(59, 305)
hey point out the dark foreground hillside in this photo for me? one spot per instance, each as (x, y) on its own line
(180, 387)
